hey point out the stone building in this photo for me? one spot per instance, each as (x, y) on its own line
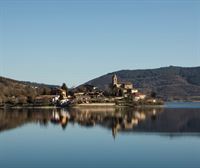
(123, 89)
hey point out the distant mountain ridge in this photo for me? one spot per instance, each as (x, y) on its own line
(170, 83)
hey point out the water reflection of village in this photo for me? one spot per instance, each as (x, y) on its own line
(115, 119)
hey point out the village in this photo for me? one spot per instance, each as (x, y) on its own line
(120, 94)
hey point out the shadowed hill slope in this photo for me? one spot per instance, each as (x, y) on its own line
(170, 83)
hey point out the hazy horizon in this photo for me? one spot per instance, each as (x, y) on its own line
(53, 42)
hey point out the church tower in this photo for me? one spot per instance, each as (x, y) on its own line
(114, 80)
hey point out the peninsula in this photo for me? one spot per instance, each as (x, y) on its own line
(119, 94)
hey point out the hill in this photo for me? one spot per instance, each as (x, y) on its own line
(13, 91)
(169, 83)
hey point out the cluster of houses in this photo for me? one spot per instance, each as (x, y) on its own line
(88, 94)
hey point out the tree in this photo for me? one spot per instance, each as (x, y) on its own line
(1, 100)
(22, 99)
(30, 99)
(46, 91)
(64, 87)
(153, 94)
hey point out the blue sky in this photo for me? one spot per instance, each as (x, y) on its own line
(59, 41)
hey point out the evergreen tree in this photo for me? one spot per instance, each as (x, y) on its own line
(64, 87)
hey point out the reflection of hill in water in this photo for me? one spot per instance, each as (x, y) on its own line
(117, 120)
(13, 118)
(173, 120)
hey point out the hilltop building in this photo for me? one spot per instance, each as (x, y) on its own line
(122, 89)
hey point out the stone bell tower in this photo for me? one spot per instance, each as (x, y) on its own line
(114, 80)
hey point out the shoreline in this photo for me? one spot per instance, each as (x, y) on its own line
(30, 107)
(92, 105)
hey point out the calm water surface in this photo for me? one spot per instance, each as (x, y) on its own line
(101, 137)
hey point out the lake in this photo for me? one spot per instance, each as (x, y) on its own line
(101, 137)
